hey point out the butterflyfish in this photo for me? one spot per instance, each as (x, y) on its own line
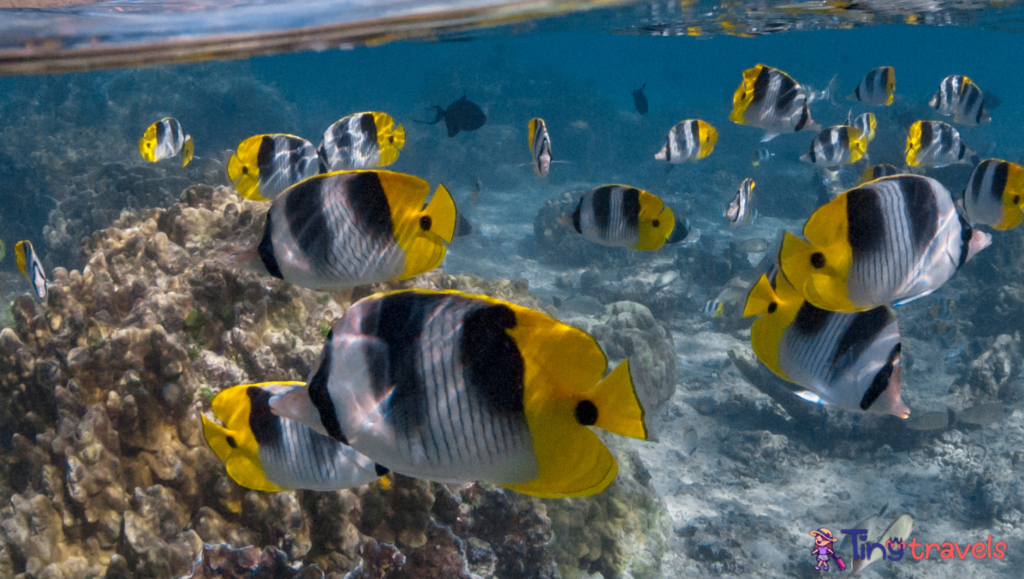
(888, 241)
(540, 146)
(688, 140)
(165, 139)
(265, 165)
(877, 88)
(851, 361)
(640, 100)
(770, 99)
(27, 259)
(866, 122)
(995, 194)
(739, 210)
(265, 452)
(623, 216)
(461, 115)
(361, 141)
(351, 228)
(959, 96)
(876, 172)
(837, 146)
(449, 386)
(934, 144)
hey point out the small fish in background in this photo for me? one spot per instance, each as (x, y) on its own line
(928, 421)
(165, 139)
(528, 389)
(540, 146)
(837, 146)
(729, 301)
(995, 195)
(640, 100)
(688, 140)
(347, 229)
(935, 144)
(891, 240)
(3, 250)
(850, 361)
(983, 414)
(361, 141)
(265, 165)
(29, 265)
(960, 97)
(760, 156)
(877, 172)
(623, 216)
(474, 193)
(268, 453)
(866, 122)
(739, 211)
(771, 100)
(461, 115)
(877, 88)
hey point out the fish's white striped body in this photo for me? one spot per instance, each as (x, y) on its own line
(688, 140)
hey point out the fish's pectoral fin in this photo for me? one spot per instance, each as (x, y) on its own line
(440, 115)
(295, 404)
(217, 438)
(768, 136)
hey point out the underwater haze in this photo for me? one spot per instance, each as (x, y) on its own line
(161, 286)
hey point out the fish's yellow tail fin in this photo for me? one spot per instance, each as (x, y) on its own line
(1013, 198)
(21, 257)
(532, 130)
(890, 85)
(819, 273)
(442, 213)
(615, 404)
(710, 138)
(913, 143)
(744, 94)
(390, 145)
(422, 254)
(243, 168)
(761, 298)
(187, 150)
(656, 224)
(399, 136)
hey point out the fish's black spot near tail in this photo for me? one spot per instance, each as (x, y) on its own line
(818, 260)
(772, 307)
(656, 223)
(381, 470)
(425, 223)
(232, 442)
(586, 413)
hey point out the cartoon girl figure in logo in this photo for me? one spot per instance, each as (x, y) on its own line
(823, 541)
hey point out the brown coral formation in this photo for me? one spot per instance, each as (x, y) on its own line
(106, 472)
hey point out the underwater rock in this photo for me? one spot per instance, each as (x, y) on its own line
(221, 561)
(990, 377)
(629, 330)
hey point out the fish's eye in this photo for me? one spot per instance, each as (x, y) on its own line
(772, 307)
(656, 223)
(818, 260)
(586, 413)
(231, 442)
(425, 223)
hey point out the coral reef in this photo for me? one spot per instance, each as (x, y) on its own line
(106, 472)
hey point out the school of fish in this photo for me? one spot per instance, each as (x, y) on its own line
(450, 386)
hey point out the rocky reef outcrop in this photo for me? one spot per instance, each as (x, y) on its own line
(105, 472)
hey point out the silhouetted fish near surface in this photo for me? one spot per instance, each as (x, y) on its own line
(640, 100)
(461, 115)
